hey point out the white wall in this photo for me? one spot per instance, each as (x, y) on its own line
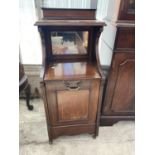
(30, 44)
(104, 52)
(107, 43)
(107, 10)
(113, 10)
(102, 8)
(67, 3)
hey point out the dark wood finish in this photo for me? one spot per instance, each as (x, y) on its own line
(119, 90)
(21, 71)
(127, 11)
(24, 86)
(68, 111)
(82, 14)
(71, 70)
(69, 23)
(71, 84)
(28, 96)
(71, 110)
(125, 38)
(44, 97)
(119, 100)
(72, 130)
(48, 26)
(110, 120)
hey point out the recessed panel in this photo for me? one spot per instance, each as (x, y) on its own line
(123, 98)
(73, 105)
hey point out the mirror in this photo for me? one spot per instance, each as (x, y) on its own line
(69, 42)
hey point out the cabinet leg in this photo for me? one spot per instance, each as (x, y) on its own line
(94, 136)
(28, 95)
(50, 141)
(96, 131)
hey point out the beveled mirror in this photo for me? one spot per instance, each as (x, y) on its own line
(69, 42)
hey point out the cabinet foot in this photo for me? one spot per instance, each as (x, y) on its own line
(94, 136)
(50, 142)
(28, 95)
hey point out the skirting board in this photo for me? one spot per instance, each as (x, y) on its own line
(110, 120)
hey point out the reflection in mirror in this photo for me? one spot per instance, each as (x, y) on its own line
(69, 42)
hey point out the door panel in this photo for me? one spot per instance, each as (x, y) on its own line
(120, 92)
(73, 107)
(72, 102)
(124, 90)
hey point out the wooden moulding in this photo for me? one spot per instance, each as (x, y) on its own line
(81, 14)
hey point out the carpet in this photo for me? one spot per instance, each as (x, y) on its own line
(112, 140)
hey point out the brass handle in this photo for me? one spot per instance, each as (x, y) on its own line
(73, 88)
(72, 85)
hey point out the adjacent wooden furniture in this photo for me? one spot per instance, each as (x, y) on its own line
(119, 95)
(127, 10)
(72, 80)
(24, 85)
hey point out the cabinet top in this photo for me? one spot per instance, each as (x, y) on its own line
(69, 23)
(79, 70)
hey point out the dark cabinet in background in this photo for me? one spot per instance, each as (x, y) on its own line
(127, 10)
(119, 94)
(125, 38)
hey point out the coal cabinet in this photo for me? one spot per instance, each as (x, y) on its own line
(72, 81)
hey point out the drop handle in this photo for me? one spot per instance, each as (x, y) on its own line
(72, 85)
(73, 88)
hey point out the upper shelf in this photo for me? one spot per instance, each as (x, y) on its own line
(69, 23)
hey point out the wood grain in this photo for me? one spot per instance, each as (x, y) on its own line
(69, 23)
(119, 98)
(83, 14)
(125, 12)
(125, 38)
(68, 107)
(76, 109)
(70, 70)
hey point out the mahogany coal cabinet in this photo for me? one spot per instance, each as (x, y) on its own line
(72, 81)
